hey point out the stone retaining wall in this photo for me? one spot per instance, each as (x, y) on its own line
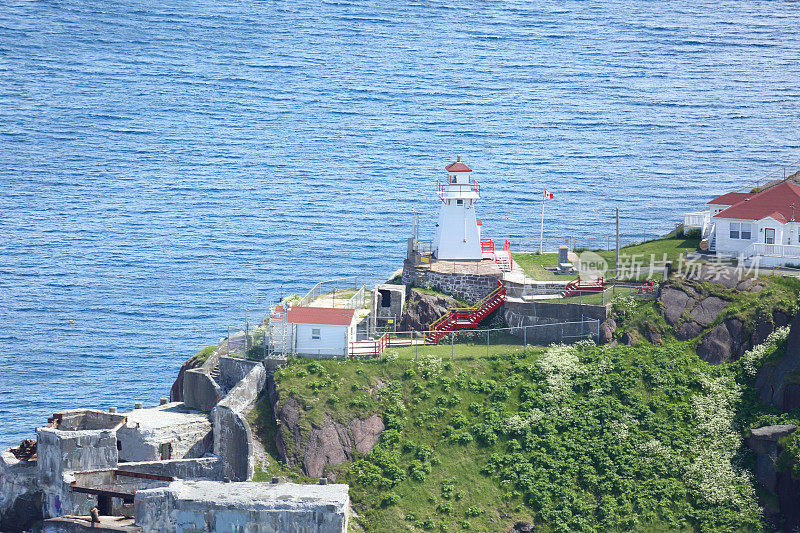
(470, 287)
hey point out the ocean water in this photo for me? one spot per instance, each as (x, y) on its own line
(165, 166)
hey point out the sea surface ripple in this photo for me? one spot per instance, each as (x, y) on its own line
(165, 166)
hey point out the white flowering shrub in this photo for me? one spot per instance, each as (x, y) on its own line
(560, 365)
(712, 474)
(752, 359)
(428, 366)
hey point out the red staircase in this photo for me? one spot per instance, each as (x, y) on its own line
(466, 317)
(577, 286)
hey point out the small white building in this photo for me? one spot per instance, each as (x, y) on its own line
(458, 233)
(321, 331)
(759, 225)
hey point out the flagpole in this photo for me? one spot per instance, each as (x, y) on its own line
(541, 234)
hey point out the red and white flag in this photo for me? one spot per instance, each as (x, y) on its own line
(548, 195)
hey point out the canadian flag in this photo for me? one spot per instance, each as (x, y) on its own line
(548, 195)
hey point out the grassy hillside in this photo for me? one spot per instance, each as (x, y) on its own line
(580, 438)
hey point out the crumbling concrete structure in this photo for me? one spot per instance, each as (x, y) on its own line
(20, 495)
(75, 440)
(164, 432)
(85, 459)
(186, 506)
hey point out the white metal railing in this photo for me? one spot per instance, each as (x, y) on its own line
(772, 250)
(327, 286)
(357, 300)
(696, 220)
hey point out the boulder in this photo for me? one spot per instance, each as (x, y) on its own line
(716, 346)
(688, 330)
(739, 336)
(707, 311)
(762, 330)
(673, 302)
(781, 319)
(629, 338)
(764, 443)
(422, 310)
(607, 330)
(775, 377)
(653, 336)
(726, 276)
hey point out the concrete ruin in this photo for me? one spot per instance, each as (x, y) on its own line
(207, 506)
(168, 467)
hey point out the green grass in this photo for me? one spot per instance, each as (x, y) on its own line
(656, 251)
(533, 264)
(200, 357)
(573, 439)
(643, 254)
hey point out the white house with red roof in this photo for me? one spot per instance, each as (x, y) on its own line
(320, 331)
(760, 225)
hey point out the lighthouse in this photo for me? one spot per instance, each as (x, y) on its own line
(458, 235)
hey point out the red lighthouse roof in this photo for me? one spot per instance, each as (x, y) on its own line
(458, 166)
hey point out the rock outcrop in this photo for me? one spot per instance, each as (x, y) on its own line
(423, 309)
(765, 443)
(693, 313)
(331, 443)
(778, 382)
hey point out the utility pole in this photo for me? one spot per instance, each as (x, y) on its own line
(616, 264)
(541, 233)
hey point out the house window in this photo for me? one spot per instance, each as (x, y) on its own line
(735, 227)
(459, 202)
(315, 335)
(746, 232)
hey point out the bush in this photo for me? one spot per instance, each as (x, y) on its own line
(390, 499)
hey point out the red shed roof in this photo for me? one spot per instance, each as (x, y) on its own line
(731, 198)
(775, 202)
(320, 315)
(458, 166)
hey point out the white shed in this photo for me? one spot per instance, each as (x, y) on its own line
(321, 331)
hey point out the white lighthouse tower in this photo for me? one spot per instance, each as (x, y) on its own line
(458, 234)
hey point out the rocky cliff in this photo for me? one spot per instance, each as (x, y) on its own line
(721, 317)
(315, 446)
(778, 382)
(423, 309)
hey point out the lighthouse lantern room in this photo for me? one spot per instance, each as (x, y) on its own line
(458, 233)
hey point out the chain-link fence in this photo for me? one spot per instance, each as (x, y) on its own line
(474, 343)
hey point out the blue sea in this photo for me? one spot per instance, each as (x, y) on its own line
(166, 166)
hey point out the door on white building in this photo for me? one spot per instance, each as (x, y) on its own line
(769, 236)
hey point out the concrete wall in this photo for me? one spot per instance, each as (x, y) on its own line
(89, 419)
(209, 468)
(187, 433)
(470, 287)
(233, 370)
(20, 497)
(549, 317)
(60, 452)
(200, 391)
(186, 506)
(233, 438)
